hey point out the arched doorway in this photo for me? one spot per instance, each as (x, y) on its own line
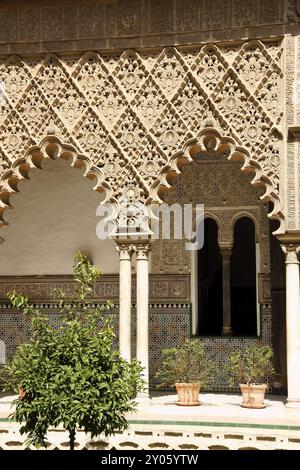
(236, 219)
(53, 217)
(243, 279)
(209, 282)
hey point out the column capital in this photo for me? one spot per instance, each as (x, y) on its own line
(226, 250)
(142, 250)
(291, 252)
(124, 249)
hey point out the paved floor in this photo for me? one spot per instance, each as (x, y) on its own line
(214, 408)
(219, 408)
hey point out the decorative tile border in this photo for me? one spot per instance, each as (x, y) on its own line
(218, 424)
(150, 435)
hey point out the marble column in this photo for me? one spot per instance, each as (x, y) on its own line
(292, 324)
(226, 254)
(142, 311)
(125, 253)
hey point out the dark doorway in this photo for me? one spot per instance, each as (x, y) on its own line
(243, 279)
(210, 282)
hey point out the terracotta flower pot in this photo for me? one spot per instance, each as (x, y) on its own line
(253, 395)
(22, 392)
(188, 394)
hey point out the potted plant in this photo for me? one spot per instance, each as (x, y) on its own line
(250, 368)
(187, 368)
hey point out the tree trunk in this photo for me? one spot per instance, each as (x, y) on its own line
(72, 433)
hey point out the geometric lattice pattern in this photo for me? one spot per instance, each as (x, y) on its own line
(14, 329)
(220, 348)
(129, 113)
(169, 325)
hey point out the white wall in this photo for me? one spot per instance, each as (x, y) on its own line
(52, 218)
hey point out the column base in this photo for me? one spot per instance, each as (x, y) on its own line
(293, 403)
(226, 331)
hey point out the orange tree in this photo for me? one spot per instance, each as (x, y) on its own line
(71, 375)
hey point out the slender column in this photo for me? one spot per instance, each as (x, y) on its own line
(142, 310)
(292, 324)
(125, 253)
(226, 253)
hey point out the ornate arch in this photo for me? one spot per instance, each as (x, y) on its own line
(226, 228)
(214, 217)
(210, 139)
(51, 147)
(135, 118)
(247, 215)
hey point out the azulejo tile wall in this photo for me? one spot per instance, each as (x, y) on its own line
(169, 325)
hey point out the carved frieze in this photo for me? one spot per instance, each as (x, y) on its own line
(293, 11)
(52, 23)
(104, 24)
(292, 105)
(8, 25)
(162, 288)
(129, 17)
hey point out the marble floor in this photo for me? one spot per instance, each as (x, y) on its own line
(214, 408)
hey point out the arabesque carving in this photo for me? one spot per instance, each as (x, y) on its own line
(132, 118)
(227, 196)
(162, 288)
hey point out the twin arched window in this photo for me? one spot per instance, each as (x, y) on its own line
(213, 283)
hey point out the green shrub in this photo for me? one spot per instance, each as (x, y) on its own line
(249, 366)
(188, 364)
(71, 375)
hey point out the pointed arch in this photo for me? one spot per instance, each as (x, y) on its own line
(210, 139)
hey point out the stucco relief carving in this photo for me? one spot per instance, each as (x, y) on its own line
(8, 25)
(213, 181)
(162, 288)
(170, 256)
(264, 240)
(227, 195)
(151, 109)
(293, 144)
(52, 23)
(84, 20)
(29, 24)
(293, 12)
(292, 185)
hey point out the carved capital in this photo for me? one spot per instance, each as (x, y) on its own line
(125, 250)
(142, 251)
(291, 252)
(226, 251)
